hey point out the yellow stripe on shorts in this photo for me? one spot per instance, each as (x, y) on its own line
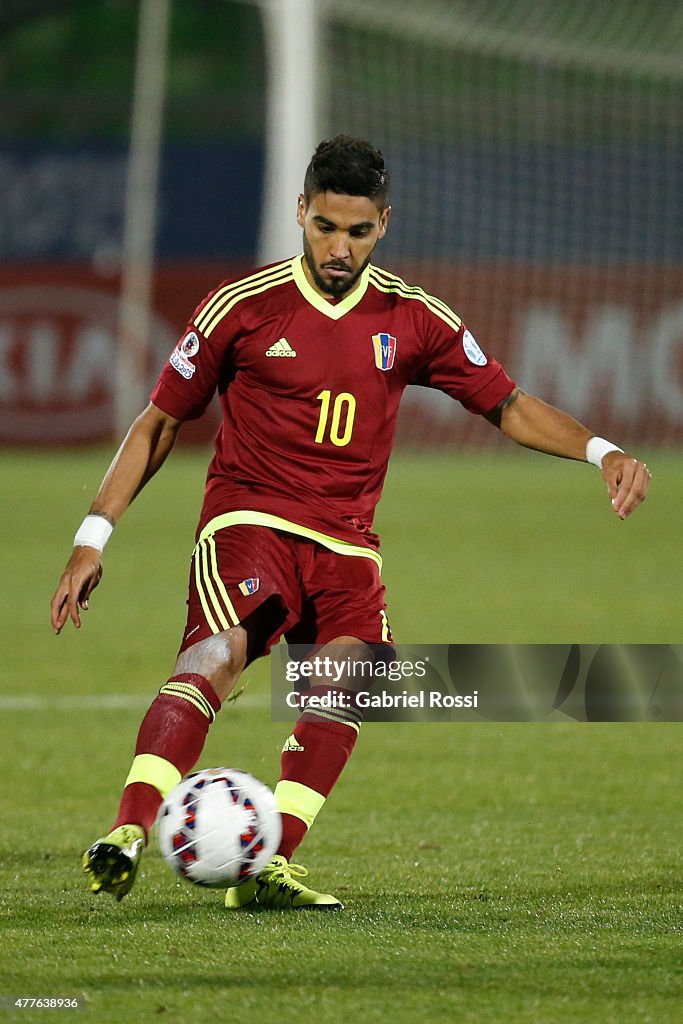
(247, 517)
(230, 608)
(208, 582)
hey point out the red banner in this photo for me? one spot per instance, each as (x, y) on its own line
(606, 345)
(58, 349)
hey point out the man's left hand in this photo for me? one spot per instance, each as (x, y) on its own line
(627, 482)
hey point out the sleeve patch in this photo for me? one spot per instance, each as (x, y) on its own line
(472, 350)
(182, 354)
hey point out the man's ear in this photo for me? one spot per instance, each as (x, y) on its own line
(384, 221)
(300, 210)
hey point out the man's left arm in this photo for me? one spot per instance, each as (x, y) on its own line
(534, 424)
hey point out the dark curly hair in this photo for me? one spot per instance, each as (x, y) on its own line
(350, 167)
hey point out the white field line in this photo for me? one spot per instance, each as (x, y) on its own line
(103, 702)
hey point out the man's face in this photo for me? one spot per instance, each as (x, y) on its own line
(340, 233)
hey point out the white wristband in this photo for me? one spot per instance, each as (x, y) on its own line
(597, 448)
(94, 532)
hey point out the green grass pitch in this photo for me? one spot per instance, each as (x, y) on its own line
(526, 873)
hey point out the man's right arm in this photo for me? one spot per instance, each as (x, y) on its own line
(143, 452)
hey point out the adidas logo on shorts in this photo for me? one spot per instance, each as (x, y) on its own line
(281, 348)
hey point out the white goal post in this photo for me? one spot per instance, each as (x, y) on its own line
(292, 92)
(140, 212)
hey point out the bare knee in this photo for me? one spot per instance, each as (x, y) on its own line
(355, 658)
(353, 647)
(220, 659)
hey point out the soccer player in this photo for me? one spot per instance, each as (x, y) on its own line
(310, 357)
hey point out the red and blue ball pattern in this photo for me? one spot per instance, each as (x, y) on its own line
(184, 839)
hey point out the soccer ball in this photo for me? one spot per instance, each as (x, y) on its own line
(219, 827)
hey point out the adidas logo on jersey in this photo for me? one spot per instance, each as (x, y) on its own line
(281, 348)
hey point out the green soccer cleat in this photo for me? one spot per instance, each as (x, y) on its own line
(112, 862)
(277, 888)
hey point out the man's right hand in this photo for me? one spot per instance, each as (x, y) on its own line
(82, 574)
(144, 450)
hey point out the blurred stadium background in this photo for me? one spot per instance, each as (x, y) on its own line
(537, 158)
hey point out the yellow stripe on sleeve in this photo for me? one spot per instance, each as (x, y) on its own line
(395, 285)
(237, 288)
(231, 296)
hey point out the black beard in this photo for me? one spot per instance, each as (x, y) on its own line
(336, 287)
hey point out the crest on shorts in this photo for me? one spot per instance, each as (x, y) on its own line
(385, 346)
(250, 586)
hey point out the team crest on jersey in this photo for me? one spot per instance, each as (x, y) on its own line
(385, 350)
(250, 586)
(181, 355)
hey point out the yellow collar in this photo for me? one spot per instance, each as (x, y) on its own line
(334, 310)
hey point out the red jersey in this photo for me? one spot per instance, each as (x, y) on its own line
(310, 391)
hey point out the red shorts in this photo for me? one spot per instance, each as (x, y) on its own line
(276, 584)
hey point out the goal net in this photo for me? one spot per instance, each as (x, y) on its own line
(537, 162)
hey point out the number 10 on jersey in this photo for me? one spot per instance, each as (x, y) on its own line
(343, 410)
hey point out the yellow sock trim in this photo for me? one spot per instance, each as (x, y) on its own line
(155, 771)
(302, 802)
(190, 693)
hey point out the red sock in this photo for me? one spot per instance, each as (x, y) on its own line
(174, 729)
(326, 747)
